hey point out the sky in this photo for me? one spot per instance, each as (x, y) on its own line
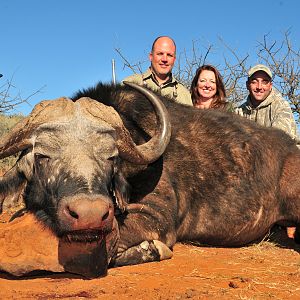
(61, 46)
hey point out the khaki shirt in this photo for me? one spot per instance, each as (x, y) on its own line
(274, 111)
(172, 88)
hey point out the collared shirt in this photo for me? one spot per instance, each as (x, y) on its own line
(274, 111)
(171, 88)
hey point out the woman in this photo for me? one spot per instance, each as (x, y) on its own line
(208, 89)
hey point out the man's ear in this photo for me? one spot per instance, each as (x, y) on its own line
(247, 84)
(150, 56)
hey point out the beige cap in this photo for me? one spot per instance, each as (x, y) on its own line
(260, 68)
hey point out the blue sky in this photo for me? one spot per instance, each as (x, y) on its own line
(66, 45)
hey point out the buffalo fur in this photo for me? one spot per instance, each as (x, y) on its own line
(223, 180)
(43, 198)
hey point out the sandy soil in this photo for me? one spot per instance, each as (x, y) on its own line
(268, 270)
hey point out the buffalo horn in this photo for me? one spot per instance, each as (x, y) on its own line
(18, 138)
(155, 147)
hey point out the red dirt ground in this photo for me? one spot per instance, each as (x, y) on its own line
(268, 270)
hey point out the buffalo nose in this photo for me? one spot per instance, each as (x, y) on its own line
(81, 214)
(85, 214)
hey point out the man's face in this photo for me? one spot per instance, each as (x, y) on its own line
(259, 86)
(163, 57)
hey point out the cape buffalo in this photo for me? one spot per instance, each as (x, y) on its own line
(218, 180)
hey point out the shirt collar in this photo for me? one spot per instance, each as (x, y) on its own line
(149, 74)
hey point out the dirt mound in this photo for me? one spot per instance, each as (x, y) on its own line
(268, 270)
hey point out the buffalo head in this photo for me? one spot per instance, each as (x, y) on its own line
(70, 162)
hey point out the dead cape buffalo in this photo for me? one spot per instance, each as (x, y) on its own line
(218, 179)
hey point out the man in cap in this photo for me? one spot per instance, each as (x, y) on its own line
(264, 104)
(159, 75)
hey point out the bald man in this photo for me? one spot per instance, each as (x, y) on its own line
(159, 75)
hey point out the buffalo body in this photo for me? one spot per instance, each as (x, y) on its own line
(221, 180)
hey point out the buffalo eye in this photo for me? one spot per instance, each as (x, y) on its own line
(41, 159)
(112, 154)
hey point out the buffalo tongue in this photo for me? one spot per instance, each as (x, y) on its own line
(86, 259)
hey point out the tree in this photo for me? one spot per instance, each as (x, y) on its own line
(9, 101)
(10, 98)
(281, 57)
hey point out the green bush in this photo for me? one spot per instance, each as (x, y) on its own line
(6, 123)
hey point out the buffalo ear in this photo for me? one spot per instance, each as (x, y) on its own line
(11, 186)
(121, 190)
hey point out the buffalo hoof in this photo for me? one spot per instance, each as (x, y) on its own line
(291, 232)
(147, 251)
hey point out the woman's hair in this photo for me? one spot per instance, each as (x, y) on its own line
(219, 100)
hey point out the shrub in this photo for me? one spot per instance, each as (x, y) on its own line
(6, 123)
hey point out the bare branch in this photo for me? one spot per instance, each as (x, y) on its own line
(10, 99)
(281, 56)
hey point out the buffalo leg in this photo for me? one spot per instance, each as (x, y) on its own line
(290, 191)
(152, 219)
(147, 251)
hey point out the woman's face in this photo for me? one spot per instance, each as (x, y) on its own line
(206, 85)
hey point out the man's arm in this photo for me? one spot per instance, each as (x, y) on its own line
(184, 95)
(135, 78)
(283, 119)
